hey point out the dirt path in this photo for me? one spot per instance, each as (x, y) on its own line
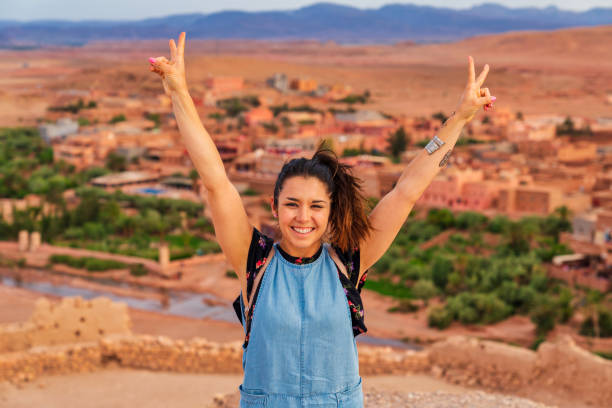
(121, 388)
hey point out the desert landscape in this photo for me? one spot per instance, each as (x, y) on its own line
(182, 359)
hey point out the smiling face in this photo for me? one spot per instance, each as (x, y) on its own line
(304, 206)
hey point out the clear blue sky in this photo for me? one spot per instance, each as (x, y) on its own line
(27, 10)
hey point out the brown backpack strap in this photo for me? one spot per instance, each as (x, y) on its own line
(337, 261)
(258, 280)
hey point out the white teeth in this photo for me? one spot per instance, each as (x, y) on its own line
(302, 230)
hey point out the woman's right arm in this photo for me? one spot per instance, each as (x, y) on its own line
(232, 228)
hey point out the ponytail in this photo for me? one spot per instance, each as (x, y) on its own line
(348, 220)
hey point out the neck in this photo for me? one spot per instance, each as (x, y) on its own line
(300, 252)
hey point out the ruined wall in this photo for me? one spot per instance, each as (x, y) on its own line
(73, 320)
(474, 362)
(560, 367)
(163, 354)
(48, 344)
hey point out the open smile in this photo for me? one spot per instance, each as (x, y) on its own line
(303, 230)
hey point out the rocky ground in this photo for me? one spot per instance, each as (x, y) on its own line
(437, 399)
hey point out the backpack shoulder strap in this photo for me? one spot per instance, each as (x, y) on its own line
(337, 261)
(257, 281)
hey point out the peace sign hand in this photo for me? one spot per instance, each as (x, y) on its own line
(474, 97)
(172, 72)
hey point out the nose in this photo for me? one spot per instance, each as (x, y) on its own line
(303, 214)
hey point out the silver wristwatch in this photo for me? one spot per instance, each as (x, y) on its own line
(434, 144)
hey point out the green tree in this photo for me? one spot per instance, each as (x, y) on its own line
(115, 162)
(441, 268)
(45, 156)
(442, 218)
(398, 141)
(472, 221)
(194, 176)
(155, 118)
(117, 118)
(544, 314)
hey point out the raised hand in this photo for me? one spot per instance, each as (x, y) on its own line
(474, 97)
(172, 72)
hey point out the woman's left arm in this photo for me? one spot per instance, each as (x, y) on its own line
(391, 212)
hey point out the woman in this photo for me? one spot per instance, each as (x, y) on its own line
(301, 345)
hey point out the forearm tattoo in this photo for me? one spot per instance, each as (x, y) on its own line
(445, 158)
(446, 121)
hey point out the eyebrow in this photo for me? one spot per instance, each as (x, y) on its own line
(314, 201)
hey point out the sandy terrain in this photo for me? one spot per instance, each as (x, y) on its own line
(120, 388)
(559, 72)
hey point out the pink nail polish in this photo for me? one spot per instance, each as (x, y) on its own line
(151, 60)
(493, 98)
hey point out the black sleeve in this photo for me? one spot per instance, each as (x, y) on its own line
(260, 247)
(350, 259)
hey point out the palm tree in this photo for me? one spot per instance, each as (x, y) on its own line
(563, 212)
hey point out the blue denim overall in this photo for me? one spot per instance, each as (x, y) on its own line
(301, 351)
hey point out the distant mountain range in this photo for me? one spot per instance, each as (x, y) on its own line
(321, 21)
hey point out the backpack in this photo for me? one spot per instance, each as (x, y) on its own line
(240, 307)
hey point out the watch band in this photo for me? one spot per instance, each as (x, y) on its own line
(434, 144)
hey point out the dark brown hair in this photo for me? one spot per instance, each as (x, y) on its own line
(348, 218)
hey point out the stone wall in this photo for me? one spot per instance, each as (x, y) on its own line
(163, 354)
(73, 320)
(561, 367)
(81, 336)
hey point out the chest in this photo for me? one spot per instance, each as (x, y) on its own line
(302, 298)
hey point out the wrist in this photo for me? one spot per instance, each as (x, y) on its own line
(460, 117)
(180, 91)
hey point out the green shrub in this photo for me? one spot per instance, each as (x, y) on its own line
(138, 270)
(439, 317)
(485, 308)
(440, 269)
(442, 218)
(95, 264)
(499, 224)
(404, 306)
(544, 314)
(388, 288)
(536, 343)
(472, 221)
(605, 354)
(424, 289)
(604, 318)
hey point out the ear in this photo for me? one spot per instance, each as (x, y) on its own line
(274, 212)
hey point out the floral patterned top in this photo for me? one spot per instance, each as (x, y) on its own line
(258, 252)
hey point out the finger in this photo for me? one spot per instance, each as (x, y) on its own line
(181, 44)
(485, 100)
(173, 51)
(155, 61)
(471, 73)
(161, 63)
(483, 75)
